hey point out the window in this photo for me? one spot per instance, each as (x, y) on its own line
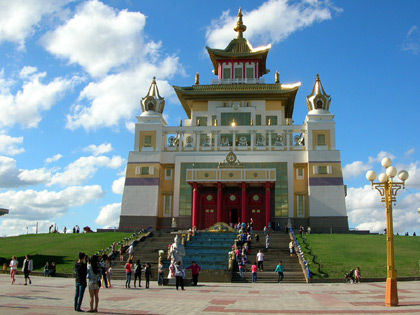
(322, 169)
(168, 173)
(201, 121)
(138, 170)
(238, 73)
(300, 206)
(249, 73)
(144, 170)
(258, 120)
(147, 141)
(226, 73)
(167, 210)
(321, 139)
(271, 120)
(299, 173)
(241, 119)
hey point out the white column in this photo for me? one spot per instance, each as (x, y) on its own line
(252, 140)
(288, 140)
(216, 140)
(233, 141)
(269, 140)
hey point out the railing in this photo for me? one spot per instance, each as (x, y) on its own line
(303, 262)
(239, 81)
(238, 138)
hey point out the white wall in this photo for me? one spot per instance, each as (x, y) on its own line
(326, 201)
(140, 200)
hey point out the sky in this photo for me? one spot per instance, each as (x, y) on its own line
(72, 74)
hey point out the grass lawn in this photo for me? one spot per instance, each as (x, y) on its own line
(60, 248)
(338, 253)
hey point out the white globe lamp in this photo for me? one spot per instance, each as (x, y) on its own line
(371, 176)
(391, 171)
(386, 162)
(382, 178)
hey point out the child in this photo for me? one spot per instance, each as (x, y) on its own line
(13, 268)
(357, 275)
(254, 269)
(148, 274)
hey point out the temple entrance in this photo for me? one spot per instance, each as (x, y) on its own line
(233, 215)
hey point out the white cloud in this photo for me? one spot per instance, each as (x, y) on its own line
(410, 152)
(99, 149)
(10, 227)
(44, 205)
(98, 37)
(19, 18)
(34, 97)
(366, 211)
(40, 175)
(116, 97)
(380, 156)
(118, 185)
(272, 22)
(83, 169)
(11, 176)
(54, 158)
(109, 215)
(412, 40)
(355, 169)
(10, 145)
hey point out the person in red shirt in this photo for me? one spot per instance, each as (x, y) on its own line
(195, 270)
(254, 270)
(128, 267)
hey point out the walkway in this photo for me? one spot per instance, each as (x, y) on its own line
(55, 296)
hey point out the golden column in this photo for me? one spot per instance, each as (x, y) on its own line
(388, 190)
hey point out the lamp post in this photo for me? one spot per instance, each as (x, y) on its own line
(388, 190)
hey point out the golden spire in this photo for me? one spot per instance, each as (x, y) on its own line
(240, 27)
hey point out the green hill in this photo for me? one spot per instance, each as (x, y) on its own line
(60, 248)
(338, 253)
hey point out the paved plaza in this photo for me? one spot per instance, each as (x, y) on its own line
(55, 296)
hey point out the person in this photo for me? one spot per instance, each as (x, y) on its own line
(241, 269)
(131, 251)
(109, 274)
(308, 230)
(260, 260)
(280, 269)
(254, 269)
(267, 241)
(103, 267)
(160, 274)
(27, 269)
(265, 230)
(195, 271)
(80, 271)
(257, 237)
(137, 272)
(13, 268)
(94, 278)
(52, 270)
(291, 248)
(121, 253)
(301, 230)
(128, 267)
(65, 230)
(179, 275)
(357, 275)
(46, 267)
(147, 274)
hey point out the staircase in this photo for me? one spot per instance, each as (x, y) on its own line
(279, 250)
(147, 252)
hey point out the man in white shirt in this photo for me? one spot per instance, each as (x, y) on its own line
(260, 260)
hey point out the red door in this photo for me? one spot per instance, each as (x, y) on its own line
(232, 207)
(208, 214)
(256, 209)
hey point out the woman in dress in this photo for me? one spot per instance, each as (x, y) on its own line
(13, 268)
(94, 282)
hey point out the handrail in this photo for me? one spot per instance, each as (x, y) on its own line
(303, 262)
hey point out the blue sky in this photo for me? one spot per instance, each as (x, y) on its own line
(72, 74)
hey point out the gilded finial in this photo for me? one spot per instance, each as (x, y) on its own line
(197, 78)
(240, 27)
(317, 77)
(277, 77)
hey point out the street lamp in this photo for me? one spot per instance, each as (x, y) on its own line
(388, 190)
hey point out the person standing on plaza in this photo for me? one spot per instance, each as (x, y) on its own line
(280, 269)
(357, 275)
(128, 269)
(80, 271)
(179, 275)
(254, 270)
(137, 272)
(46, 267)
(195, 271)
(94, 278)
(109, 274)
(267, 241)
(308, 230)
(260, 260)
(13, 268)
(160, 274)
(27, 269)
(147, 274)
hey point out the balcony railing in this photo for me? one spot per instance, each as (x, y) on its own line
(239, 81)
(239, 138)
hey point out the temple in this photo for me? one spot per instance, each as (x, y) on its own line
(238, 155)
